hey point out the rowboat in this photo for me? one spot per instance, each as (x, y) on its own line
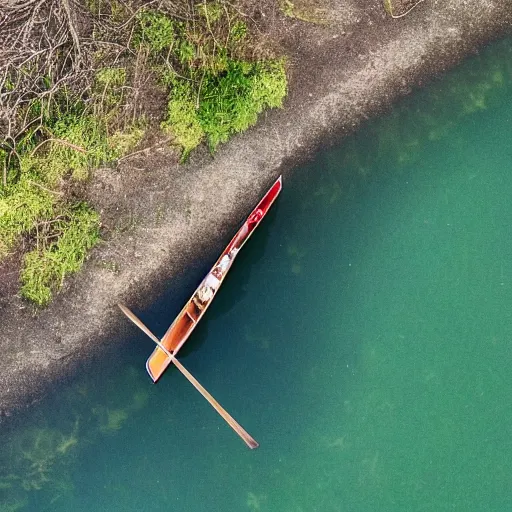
(180, 330)
(194, 309)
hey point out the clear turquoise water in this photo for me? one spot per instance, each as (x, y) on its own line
(363, 338)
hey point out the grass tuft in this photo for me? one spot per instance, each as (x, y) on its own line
(231, 101)
(155, 30)
(20, 207)
(65, 145)
(215, 89)
(228, 103)
(76, 144)
(182, 120)
(67, 239)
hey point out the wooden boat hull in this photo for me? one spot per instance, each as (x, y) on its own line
(194, 309)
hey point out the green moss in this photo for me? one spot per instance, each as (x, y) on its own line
(44, 268)
(215, 91)
(109, 86)
(70, 142)
(20, 207)
(155, 30)
(182, 119)
(76, 144)
(231, 101)
(123, 141)
(227, 102)
(238, 32)
(185, 52)
(111, 76)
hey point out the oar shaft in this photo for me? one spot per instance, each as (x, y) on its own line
(246, 437)
(248, 440)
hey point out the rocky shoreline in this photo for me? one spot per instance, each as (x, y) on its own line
(158, 213)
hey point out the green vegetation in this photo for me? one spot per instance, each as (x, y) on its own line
(108, 93)
(75, 231)
(64, 146)
(229, 102)
(20, 207)
(388, 7)
(155, 30)
(76, 141)
(182, 120)
(215, 90)
(65, 121)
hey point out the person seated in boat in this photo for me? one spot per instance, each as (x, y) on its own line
(212, 281)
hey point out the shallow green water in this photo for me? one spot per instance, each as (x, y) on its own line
(363, 338)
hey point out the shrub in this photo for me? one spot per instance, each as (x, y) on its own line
(227, 103)
(155, 30)
(215, 91)
(75, 232)
(67, 143)
(182, 119)
(231, 101)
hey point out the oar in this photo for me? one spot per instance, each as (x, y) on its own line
(248, 440)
